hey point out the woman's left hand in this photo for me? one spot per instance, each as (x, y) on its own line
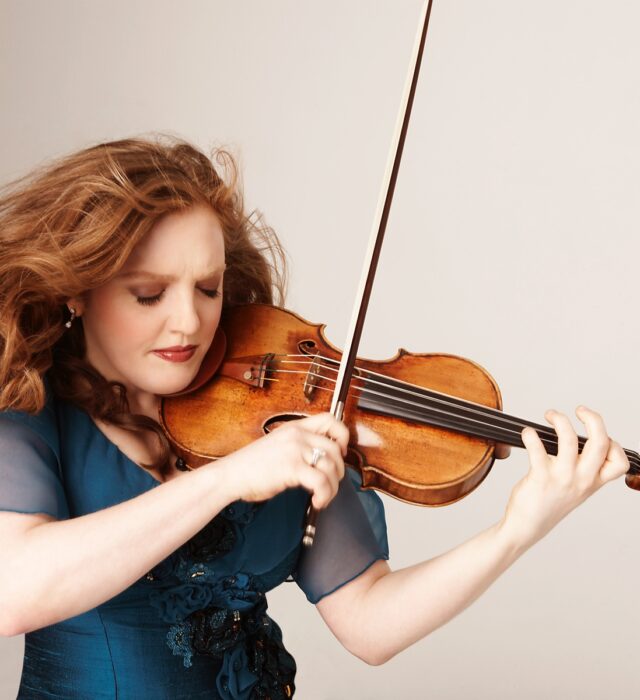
(555, 485)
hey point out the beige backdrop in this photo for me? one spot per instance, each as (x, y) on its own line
(512, 241)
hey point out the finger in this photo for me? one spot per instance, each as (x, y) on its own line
(332, 450)
(325, 465)
(327, 424)
(616, 463)
(567, 440)
(330, 460)
(598, 443)
(317, 483)
(323, 462)
(538, 457)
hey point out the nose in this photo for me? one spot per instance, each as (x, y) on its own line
(184, 318)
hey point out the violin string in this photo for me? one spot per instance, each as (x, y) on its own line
(499, 434)
(444, 399)
(547, 436)
(447, 400)
(499, 431)
(633, 456)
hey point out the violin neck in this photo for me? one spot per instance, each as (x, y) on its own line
(419, 405)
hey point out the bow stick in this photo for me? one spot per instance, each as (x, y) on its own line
(372, 256)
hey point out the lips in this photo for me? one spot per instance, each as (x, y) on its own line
(176, 348)
(179, 354)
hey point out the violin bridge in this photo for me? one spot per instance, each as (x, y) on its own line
(314, 374)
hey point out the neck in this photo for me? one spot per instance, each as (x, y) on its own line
(412, 403)
(144, 404)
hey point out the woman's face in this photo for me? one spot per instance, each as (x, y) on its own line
(169, 293)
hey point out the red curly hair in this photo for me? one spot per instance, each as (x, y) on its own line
(69, 226)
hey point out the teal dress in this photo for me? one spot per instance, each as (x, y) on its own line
(196, 625)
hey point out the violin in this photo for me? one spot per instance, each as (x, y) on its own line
(423, 427)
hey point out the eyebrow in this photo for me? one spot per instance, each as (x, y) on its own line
(165, 278)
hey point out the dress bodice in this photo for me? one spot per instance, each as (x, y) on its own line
(196, 624)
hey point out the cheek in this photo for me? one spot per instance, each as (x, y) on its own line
(213, 314)
(132, 330)
(115, 323)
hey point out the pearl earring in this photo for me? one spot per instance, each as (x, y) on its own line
(73, 315)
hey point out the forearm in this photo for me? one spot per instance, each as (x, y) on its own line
(404, 606)
(60, 569)
(380, 613)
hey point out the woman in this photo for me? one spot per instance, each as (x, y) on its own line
(148, 581)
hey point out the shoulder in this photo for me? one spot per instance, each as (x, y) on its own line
(44, 424)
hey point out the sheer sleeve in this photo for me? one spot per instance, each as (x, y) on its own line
(351, 535)
(30, 470)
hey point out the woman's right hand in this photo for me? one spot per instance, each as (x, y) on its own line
(282, 460)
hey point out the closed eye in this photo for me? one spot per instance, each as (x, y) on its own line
(211, 293)
(149, 301)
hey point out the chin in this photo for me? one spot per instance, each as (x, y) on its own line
(165, 386)
(167, 381)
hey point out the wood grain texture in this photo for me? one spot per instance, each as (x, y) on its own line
(414, 463)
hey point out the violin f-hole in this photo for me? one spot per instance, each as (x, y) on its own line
(275, 422)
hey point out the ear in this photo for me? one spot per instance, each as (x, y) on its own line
(75, 303)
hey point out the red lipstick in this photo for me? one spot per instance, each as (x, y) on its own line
(177, 353)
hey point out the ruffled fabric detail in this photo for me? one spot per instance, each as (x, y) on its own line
(176, 603)
(217, 538)
(223, 617)
(258, 668)
(255, 663)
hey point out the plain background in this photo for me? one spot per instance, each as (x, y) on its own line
(512, 241)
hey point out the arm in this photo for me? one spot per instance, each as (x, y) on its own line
(382, 612)
(51, 570)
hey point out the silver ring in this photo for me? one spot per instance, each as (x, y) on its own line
(316, 456)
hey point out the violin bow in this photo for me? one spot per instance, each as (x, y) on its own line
(370, 265)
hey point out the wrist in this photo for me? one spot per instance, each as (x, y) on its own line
(513, 542)
(219, 486)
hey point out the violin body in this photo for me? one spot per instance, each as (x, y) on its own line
(279, 367)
